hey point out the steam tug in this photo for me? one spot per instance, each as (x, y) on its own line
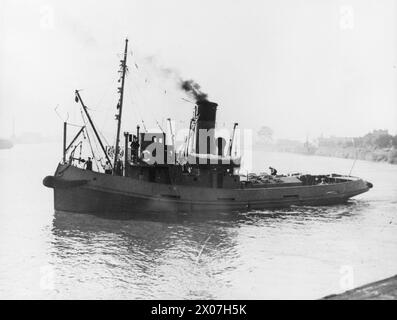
(150, 175)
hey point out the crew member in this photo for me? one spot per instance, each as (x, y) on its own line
(273, 171)
(108, 168)
(88, 164)
(119, 167)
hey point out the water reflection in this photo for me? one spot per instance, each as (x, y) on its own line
(181, 257)
(302, 214)
(147, 253)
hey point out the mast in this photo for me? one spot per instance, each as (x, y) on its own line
(78, 98)
(120, 104)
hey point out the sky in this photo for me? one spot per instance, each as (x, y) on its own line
(303, 68)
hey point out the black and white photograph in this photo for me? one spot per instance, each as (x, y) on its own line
(198, 151)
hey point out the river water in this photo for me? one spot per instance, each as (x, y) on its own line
(301, 252)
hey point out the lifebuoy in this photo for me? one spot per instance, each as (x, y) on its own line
(110, 151)
(146, 159)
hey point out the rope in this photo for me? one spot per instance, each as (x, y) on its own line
(89, 141)
(74, 125)
(353, 165)
(137, 111)
(59, 116)
(138, 89)
(92, 151)
(355, 160)
(96, 145)
(105, 120)
(104, 138)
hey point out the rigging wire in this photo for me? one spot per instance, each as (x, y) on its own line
(139, 91)
(89, 141)
(92, 151)
(103, 136)
(136, 111)
(355, 160)
(158, 124)
(110, 86)
(74, 125)
(97, 149)
(60, 117)
(106, 92)
(144, 126)
(138, 94)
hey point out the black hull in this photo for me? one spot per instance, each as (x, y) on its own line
(80, 200)
(81, 191)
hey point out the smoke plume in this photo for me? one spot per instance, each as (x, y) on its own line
(193, 89)
(190, 87)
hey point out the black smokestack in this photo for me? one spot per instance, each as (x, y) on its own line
(206, 110)
(206, 113)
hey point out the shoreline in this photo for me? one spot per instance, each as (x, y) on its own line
(385, 289)
(388, 156)
(375, 155)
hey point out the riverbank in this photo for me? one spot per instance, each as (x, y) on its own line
(381, 290)
(388, 155)
(377, 146)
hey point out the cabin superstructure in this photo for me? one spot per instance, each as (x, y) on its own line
(150, 158)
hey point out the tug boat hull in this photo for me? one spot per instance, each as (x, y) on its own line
(81, 191)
